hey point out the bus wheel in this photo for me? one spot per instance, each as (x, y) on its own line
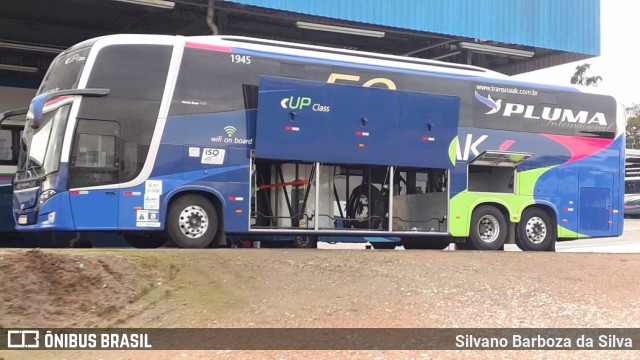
(383, 245)
(145, 241)
(488, 228)
(192, 222)
(305, 242)
(536, 231)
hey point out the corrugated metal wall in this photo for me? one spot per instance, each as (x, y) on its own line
(567, 25)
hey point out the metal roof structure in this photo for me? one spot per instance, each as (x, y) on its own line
(567, 25)
(509, 36)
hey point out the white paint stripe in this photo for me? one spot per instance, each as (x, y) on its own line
(174, 66)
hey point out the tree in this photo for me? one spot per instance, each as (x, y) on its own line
(580, 76)
(633, 126)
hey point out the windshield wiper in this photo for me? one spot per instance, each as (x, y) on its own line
(27, 174)
(34, 169)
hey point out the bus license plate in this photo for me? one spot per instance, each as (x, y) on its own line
(22, 219)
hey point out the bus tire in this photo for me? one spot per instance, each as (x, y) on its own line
(141, 241)
(305, 242)
(364, 212)
(192, 222)
(488, 229)
(536, 231)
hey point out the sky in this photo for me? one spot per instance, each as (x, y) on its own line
(619, 63)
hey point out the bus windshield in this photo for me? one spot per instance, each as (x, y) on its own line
(43, 145)
(64, 73)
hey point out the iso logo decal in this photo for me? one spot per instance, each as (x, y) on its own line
(212, 156)
(23, 339)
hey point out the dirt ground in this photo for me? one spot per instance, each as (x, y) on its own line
(315, 288)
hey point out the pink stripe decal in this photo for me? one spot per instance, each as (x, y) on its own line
(506, 145)
(580, 147)
(57, 100)
(201, 46)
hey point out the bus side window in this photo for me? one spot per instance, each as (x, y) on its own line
(209, 83)
(6, 147)
(136, 76)
(95, 159)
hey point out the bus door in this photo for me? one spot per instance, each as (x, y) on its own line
(595, 213)
(93, 168)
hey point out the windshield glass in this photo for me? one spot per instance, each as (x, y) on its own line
(40, 148)
(64, 72)
(44, 145)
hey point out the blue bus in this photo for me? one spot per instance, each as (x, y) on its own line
(201, 140)
(10, 132)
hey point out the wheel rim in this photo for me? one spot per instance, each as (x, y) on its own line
(193, 221)
(488, 228)
(536, 230)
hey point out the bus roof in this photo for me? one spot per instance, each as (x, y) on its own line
(381, 60)
(358, 58)
(364, 59)
(368, 58)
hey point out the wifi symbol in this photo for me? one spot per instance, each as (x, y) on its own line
(230, 130)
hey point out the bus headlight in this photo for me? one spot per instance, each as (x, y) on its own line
(46, 195)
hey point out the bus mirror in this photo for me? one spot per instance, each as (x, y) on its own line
(34, 115)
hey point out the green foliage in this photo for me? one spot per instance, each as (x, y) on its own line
(633, 112)
(633, 126)
(580, 76)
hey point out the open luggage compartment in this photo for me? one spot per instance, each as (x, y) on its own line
(337, 158)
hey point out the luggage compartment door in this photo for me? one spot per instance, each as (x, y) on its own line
(334, 123)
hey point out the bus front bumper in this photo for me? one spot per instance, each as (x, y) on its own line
(53, 215)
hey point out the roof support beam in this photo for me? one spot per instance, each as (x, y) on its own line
(428, 48)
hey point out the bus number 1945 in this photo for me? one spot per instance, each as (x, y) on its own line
(240, 59)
